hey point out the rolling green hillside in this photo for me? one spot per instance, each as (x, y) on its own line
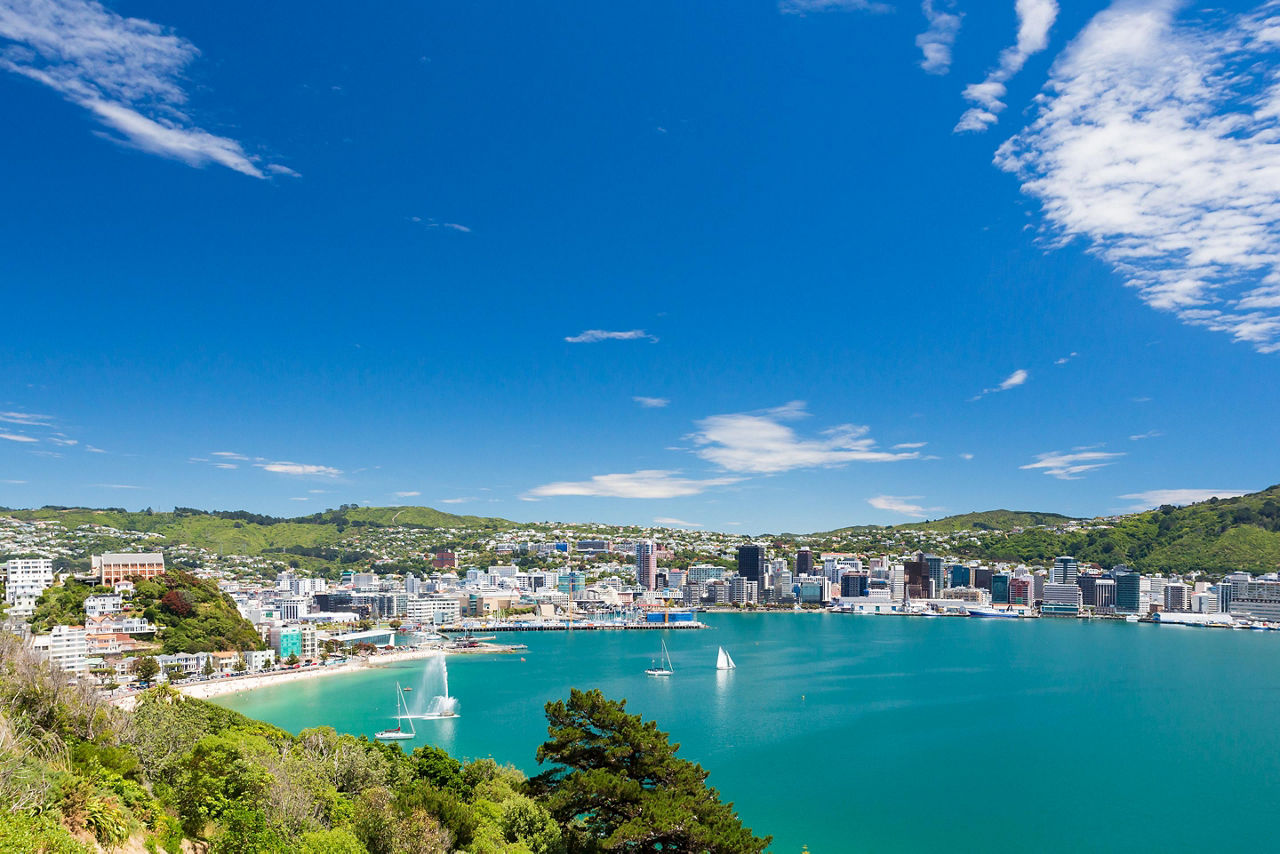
(1215, 536)
(241, 532)
(990, 520)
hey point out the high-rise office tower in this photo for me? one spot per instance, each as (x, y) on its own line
(1065, 570)
(646, 564)
(751, 563)
(804, 562)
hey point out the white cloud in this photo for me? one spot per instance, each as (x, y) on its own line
(127, 72)
(17, 437)
(651, 402)
(230, 455)
(1157, 142)
(759, 443)
(299, 468)
(27, 419)
(966, 456)
(1069, 466)
(301, 498)
(1035, 19)
(593, 336)
(62, 440)
(14, 482)
(906, 446)
(679, 523)
(1065, 359)
(319, 491)
(115, 486)
(1014, 380)
(935, 43)
(463, 500)
(1158, 497)
(225, 466)
(801, 7)
(649, 483)
(411, 493)
(898, 504)
(432, 223)
(91, 449)
(1150, 434)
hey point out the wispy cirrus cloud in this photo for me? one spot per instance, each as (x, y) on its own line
(595, 336)
(1035, 19)
(309, 469)
(1070, 465)
(432, 223)
(1015, 379)
(651, 402)
(229, 455)
(760, 443)
(909, 446)
(461, 500)
(17, 437)
(127, 72)
(1156, 142)
(678, 523)
(802, 7)
(1150, 434)
(648, 483)
(408, 493)
(1178, 497)
(27, 419)
(898, 504)
(115, 486)
(936, 42)
(1064, 359)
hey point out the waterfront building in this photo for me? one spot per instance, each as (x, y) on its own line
(1175, 597)
(812, 589)
(751, 564)
(572, 582)
(743, 590)
(111, 568)
(701, 573)
(1065, 570)
(646, 564)
(919, 583)
(855, 584)
(958, 576)
(1155, 591)
(782, 583)
(1204, 603)
(897, 582)
(937, 574)
(804, 561)
(1105, 595)
(1000, 588)
(1088, 584)
(1258, 599)
(982, 577)
(1128, 590)
(1022, 590)
(25, 580)
(437, 609)
(1061, 599)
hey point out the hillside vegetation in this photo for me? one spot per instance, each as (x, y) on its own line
(990, 520)
(242, 532)
(1215, 536)
(79, 776)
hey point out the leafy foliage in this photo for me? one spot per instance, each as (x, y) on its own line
(620, 786)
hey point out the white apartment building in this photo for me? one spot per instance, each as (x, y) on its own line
(24, 581)
(101, 604)
(66, 647)
(437, 610)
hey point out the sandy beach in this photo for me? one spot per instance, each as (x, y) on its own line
(236, 684)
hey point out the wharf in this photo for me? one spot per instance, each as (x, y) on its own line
(569, 627)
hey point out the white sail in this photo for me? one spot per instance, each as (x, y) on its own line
(723, 661)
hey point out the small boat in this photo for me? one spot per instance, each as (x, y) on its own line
(980, 612)
(406, 688)
(723, 661)
(398, 734)
(662, 667)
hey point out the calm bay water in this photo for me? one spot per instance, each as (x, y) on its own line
(891, 734)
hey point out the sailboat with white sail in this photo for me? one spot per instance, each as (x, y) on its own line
(723, 661)
(402, 711)
(662, 667)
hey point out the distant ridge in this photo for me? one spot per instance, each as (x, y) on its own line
(243, 532)
(986, 520)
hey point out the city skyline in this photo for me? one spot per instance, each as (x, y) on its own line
(768, 267)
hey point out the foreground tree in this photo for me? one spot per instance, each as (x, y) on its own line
(620, 786)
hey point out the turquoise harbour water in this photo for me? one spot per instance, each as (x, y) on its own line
(880, 734)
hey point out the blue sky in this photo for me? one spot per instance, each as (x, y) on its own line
(742, 265)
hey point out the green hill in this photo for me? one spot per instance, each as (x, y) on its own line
(242, 532)
(1215, 536)
(990, 520)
